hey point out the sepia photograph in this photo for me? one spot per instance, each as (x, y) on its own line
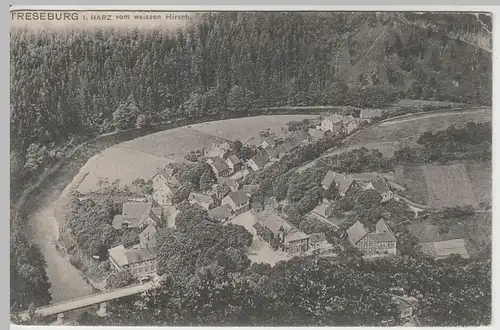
(250, 168)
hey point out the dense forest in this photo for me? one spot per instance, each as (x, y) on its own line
(93, 81)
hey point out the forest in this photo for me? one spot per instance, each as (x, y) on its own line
(87, 82)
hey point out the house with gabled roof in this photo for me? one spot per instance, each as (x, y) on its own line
(345, 182)
(267, 142)
(221, 213)
(325, 211)
(250, 189)
(147, 237)
(205, 201)
(381, 186)
(165, 184)
(301, 136)
(290, 144)
(217, 150)
(332, 123)
(291, 239)
(219, 167)
(135, 215)
(377, 243)
(406, 306)
(271, 153)
(233, 184)
(444, 249)
(234, 163)
(258, 161)
(137, 260)
(238, 201)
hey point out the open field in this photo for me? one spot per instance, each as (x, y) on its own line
(448, 186)
(413, 178)
(480, 179)
(392, 135)
(244, 129)
(475, 230)
(141, 157)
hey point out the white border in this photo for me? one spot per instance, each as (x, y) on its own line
(496, 84)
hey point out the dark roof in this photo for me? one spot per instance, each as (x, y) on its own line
(317, 237)
(316, 133)
(233, 159)
(238, 197)
(356, 232)
(300, 135)
(221, 212)
(134, 256)
(250, 188)
(280, 150)
(274, 223)
(220, 165)
(256, 205)
(201, 198)
(343, 181)
(259, 159)
(380, 185)
(269, 140)
(149, 234)
(136, 213)
(383, 233)
(271, 153)
(290, 144)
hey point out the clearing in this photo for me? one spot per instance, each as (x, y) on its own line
(448, 186)
(141, 157)
(259, 250)
(413, 178)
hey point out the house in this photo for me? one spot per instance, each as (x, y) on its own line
(165, 190)
(202, 200)
(345, 183)
(383, 189)
(233, 184)
(332, 123)
(351, 126)
(317, 238)
(250, 189)
(281, 151)
(221, 213)
(301, 136)
(219, 167)
(234, 163)
(135, 215)
(148, 237)
(268, 142)
(271, 153)
(380, 242)
(292, 240)
(444, 249)
(216, 151)
(407, 306)
(325, 212)
(368, 114)
(221, 190)
(138, 261)
(290, 144)
(257, 162)
(316, 134)
(256, 207)
(238, 201)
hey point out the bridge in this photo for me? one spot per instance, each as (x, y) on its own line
(100, 299)
(473, 33)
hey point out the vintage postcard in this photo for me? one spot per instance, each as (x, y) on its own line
(251, 168)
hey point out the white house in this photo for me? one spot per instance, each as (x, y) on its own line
(382, 187)
(202, 200)
(238, 201)
(332, 123)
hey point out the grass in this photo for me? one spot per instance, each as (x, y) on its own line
(413, 178)
(480, 179)
(448, 186)
(141, 157)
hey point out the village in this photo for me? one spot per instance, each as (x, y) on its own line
(229, 200)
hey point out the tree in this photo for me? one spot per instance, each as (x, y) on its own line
(119, 279)
(368, 199)
(142, 121)
(206, 181)
(125, 114)
(36, 155)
